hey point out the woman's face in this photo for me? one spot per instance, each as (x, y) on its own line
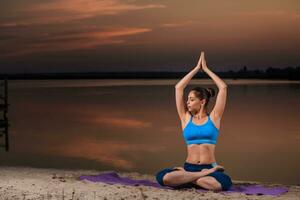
(193, 103)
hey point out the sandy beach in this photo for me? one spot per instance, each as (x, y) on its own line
(49, 183)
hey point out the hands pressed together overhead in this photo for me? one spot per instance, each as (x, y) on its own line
(202, 63)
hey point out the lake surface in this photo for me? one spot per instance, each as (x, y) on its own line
(132, 125)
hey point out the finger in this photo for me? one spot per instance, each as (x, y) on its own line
(200, 61)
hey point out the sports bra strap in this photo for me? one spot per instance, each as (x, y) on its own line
(191, 118)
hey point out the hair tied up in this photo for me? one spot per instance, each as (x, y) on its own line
(204, 93)
(211, 92)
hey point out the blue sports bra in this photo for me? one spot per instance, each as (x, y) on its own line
(200, 134)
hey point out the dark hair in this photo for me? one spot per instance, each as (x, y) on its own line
(204, 93)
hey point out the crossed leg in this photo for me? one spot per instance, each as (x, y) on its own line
(206, 182)
(209, 183)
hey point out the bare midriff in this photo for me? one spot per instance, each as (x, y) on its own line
(201, 153)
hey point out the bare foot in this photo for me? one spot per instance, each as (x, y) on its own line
(180, 168)
(219, 168)
(204, 170)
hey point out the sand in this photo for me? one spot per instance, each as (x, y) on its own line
(48, 183)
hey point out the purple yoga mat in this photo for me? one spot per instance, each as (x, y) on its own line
(250, 189)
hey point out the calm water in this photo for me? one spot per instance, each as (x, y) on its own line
(133, 125)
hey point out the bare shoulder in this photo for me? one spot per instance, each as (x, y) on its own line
(216, 120)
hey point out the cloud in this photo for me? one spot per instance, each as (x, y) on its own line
(178, 24)
(21, 44)
(90, 6)
(62, 11)
(13, 24)
(56, 26)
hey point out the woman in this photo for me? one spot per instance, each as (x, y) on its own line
(200, 132)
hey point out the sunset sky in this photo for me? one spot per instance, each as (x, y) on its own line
(129, 35)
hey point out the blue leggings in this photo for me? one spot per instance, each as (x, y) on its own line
(221, 177)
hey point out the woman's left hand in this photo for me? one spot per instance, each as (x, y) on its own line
(203, 64)
(199, 62)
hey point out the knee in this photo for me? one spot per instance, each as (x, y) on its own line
(216, 186)
(166, 180)
(226, 183)
(162, 177)
(224, 180)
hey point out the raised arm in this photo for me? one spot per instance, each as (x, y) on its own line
(179, 90)
(222, 94)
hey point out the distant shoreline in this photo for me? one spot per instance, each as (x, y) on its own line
(134, 82)
(276, 74)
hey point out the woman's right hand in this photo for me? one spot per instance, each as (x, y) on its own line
(199, 65)
(203, 64)
(218, 168)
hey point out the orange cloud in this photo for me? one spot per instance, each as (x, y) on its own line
(88, 7)
(64, 11)
(72, 41)
(178, 24)
(35, 38)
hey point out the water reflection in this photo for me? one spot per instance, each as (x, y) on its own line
(136, 128)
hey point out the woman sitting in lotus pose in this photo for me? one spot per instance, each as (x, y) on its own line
(200, 132)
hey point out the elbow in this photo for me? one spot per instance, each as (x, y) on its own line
(178, 87)
(223, 87)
